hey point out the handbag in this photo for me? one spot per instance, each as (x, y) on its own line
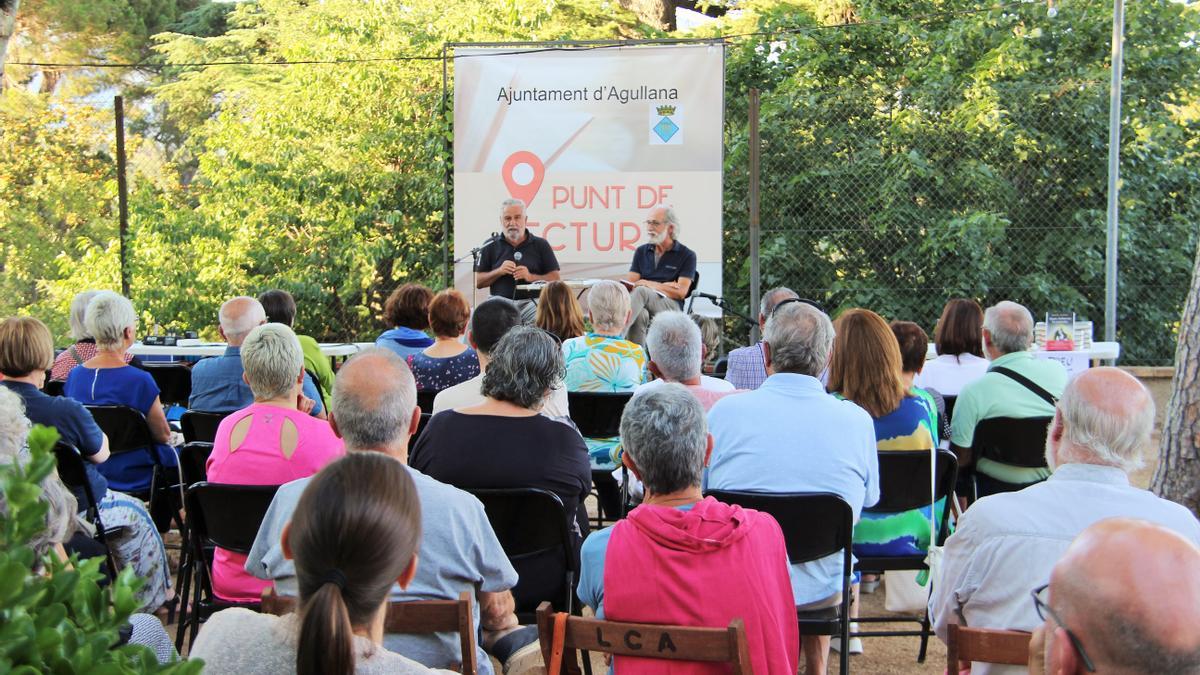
(908, 590)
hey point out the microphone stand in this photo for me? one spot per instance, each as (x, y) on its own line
(725, 306)
(474, 255)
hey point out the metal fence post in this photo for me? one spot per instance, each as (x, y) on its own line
(122, 191)
(1114, 173)
(755, 166)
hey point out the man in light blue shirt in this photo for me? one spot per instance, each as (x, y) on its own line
(789, 435)
(217, 382)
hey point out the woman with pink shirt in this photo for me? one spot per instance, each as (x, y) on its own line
(272, 442)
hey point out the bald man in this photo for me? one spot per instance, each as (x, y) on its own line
(374, 409)
(1128, 592)
(1006, 544)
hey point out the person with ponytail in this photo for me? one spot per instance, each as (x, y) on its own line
(354, 533)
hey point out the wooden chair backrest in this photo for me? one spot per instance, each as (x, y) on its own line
(1009, 647)
(412, 617)
(676, 643)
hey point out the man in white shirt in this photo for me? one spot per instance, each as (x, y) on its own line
(491, 320)
(676, 354)
(1108, 610)
(1006, 544)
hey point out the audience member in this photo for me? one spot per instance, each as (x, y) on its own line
(958, 339)
(675, 351)
(866, 368)
(559, 312)
(914, 345)
(407, 311)
(280, 307)
(1107, 610)
(353, 535)
(1006, 544)
(374, 409)
(504, 442)
(62, 520)
(268, 443)
(1016, 385)
(85, 345)
(217, 382)
(681, 558)
(603, 361)
(25, 349)
(490, 321)
(710, 336)
(447, 361)
(661, 274)
(747, 365)
(106, 379)
(791, 436)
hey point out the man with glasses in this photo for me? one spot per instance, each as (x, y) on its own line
(661, 274)
(1006, 544)
(1124, 598)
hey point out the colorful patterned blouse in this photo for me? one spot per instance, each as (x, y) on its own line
(603, 363)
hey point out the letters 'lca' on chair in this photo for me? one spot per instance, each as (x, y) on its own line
(412, 617)
(982, 645)
(561, 635)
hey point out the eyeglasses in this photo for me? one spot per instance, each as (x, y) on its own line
(1043, 610)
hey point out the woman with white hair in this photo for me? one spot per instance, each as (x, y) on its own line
(271, 442)
(603, 360)
(106, 379)
(85, 345)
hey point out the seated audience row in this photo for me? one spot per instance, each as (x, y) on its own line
(84, 347)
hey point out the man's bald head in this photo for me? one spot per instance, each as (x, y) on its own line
(239, 316)
(1008, 327)
(1130, 591)
(1105, 416)
(374, 401)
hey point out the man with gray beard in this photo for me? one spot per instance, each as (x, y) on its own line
(1007, 544)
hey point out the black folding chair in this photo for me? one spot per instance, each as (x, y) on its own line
(72, 472)
(531, 525)
(174, 380)
(815, 525)
(53, 387)
(597, 414)
(225, 516)
(904, 482)
(1008, 440)
(128, 431)
(200, 425)
(950, 401)
(425, 400)
(721, 367)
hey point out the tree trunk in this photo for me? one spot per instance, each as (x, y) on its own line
(8, 22)
(1178, 475)
(657, 13)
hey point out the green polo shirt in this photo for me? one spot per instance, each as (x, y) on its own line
(996, 395)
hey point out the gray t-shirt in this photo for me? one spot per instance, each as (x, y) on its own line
(248, 643)
(459, 552)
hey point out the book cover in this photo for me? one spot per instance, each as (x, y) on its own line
(1060, 331)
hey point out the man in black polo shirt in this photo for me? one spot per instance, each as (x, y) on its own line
(518, 257)
(661, 275)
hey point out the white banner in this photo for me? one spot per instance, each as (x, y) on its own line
(590, 139)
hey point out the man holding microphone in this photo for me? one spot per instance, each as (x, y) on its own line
(516, 257)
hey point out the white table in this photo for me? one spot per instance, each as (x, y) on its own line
(1075, 361)
(199, 348)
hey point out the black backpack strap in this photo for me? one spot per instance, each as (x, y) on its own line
(1027, 383)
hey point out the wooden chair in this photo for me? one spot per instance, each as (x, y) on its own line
(414, 616)
(651, 641)
(1007, 647)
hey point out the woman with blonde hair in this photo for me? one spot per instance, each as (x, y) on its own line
(559, 312)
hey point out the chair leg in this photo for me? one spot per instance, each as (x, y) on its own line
(924, 637)
(185, 582)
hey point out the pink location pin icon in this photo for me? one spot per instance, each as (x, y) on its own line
(528, 190)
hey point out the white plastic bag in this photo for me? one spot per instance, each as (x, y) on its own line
(903, 593)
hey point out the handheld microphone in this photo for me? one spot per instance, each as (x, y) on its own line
(517, 255)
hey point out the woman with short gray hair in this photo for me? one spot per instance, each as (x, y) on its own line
(85, 345)
(272, 442)
(504, 442)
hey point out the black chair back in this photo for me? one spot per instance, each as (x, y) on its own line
(174, 380)
(531, 525)
(72, 473)
(53, 387)
(200, 425)
(1009, 440)
(126, 428)
(721, 367)
(193, 460)
(598, 413)
(814, 524)
(228, 516)
(950, 400)
(425, 400)
(904, 479)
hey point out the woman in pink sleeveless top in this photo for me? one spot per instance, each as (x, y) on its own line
(272, 442)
